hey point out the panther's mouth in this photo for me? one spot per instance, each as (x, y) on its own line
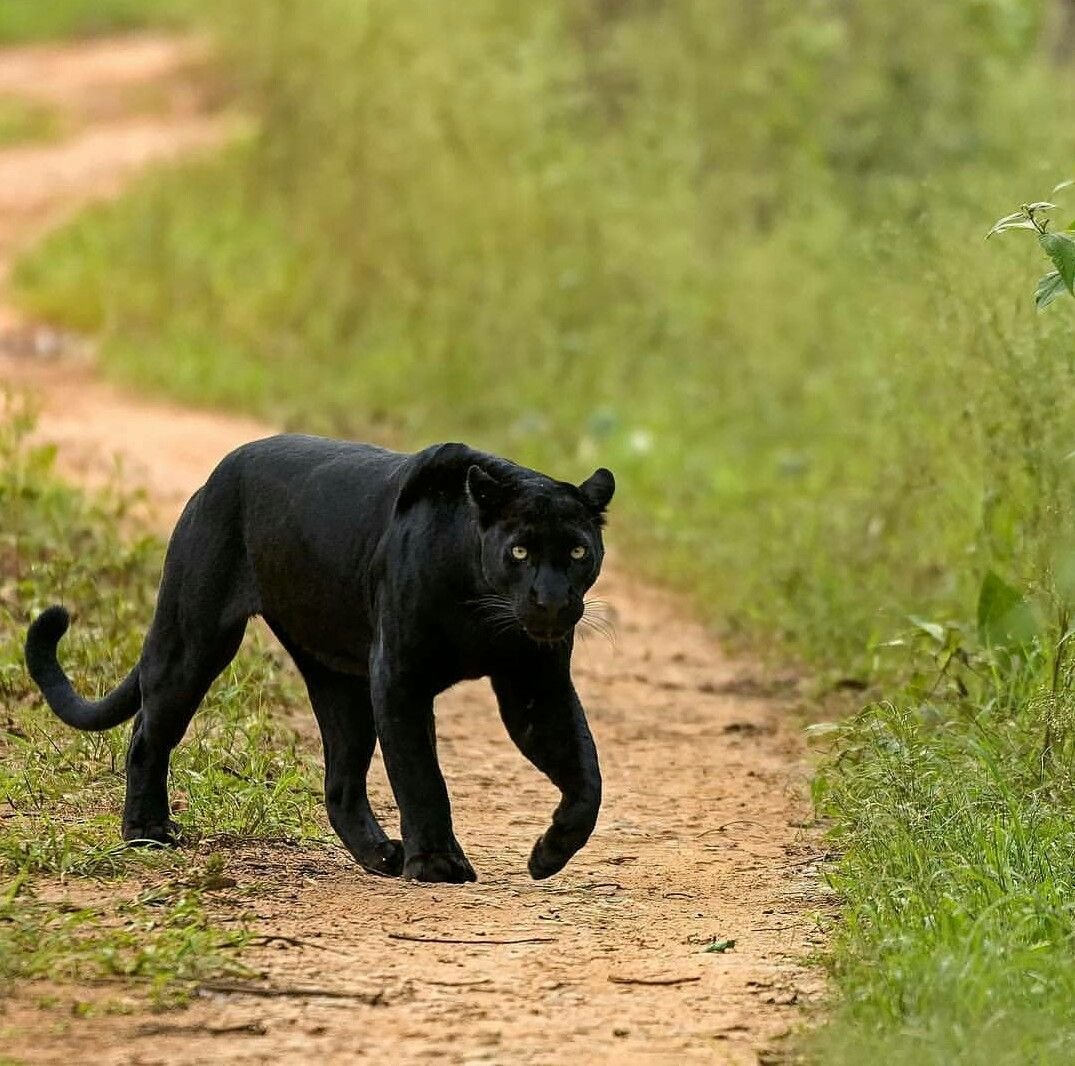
(503, 616)
(552, 626)
(547, 636)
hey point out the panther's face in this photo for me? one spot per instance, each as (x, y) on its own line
(541, 549)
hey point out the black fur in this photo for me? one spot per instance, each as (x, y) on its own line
(388, 578)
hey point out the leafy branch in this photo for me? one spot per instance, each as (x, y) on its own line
(1058, 246)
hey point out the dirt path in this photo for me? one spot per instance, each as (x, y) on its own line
(700, 837)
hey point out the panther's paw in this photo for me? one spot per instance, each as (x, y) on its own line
(166, 833)
(544, 862)
(384, 859)
(441, 866)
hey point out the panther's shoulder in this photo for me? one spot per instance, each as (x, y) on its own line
(439, 472)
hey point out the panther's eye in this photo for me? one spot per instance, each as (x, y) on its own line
(578, 552)
(519, 552)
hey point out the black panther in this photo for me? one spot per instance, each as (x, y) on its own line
(388, 577)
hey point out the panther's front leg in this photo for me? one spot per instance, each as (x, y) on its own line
(544, 717)
(403, 716)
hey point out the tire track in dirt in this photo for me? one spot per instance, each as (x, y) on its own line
(701, 834)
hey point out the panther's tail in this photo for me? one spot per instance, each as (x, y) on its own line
(41, 640)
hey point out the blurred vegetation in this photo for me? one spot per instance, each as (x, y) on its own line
(23, 21)
(27, 123)
(733, 251)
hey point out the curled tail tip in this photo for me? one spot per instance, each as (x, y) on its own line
(41, 639)
(50, 625)
(41, 660)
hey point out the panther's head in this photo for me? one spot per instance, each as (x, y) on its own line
(541, 547)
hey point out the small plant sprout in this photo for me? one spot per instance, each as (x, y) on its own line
(1058, 246)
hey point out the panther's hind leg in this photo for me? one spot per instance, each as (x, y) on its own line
(341, 703)
(207, 594)
(175, 675)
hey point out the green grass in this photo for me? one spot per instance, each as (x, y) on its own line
(735, 253)
(23, 21)
(161, 943)
(76, 905)
(22, 122)
(957, 869)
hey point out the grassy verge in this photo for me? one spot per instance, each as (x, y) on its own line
(22, 122)
(733, 252)
(76, 907)
(954, 808)
(22, 21)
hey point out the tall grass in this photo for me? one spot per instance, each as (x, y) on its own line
(23, 21)
(731, 251)
(957, 866)
(734, 252)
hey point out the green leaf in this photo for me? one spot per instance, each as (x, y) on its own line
(1011, 225)
(1004, 617)
(1063, 185)
(1049, 288)
(719, 946)
(1041, 205)
(931, 629)
(1018, 220)
(1061, 250)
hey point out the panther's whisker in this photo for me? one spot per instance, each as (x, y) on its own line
(594, 612)
(495, 610)
(597, 620)
(596, 617)
(505, 623)
(486, 603)
(601, 623)
(602, 628)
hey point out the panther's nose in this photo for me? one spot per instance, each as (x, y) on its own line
(549, 600)
(550, 610)
(550, 613)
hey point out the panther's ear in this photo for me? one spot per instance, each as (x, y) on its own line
(486, 493)
(597, 490)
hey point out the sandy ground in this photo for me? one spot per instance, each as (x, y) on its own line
(702, 836)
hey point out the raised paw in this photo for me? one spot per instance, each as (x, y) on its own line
(440, 866)
(165, 833)
(544, 861)
(384, 859)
